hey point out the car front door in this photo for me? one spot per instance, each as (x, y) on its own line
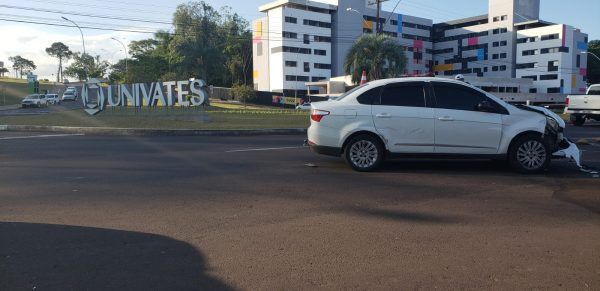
(401, 115)
(466, 120)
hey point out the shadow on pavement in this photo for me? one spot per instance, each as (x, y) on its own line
(59, 257)
(403, 215)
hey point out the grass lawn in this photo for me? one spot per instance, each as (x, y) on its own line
(12, 91)
(174, 119)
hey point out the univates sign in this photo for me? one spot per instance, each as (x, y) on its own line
(97, 97)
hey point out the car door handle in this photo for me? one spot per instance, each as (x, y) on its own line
(446, 118)
(383, 115)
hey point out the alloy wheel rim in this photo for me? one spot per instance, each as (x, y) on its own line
(363, 154)
(532, 155)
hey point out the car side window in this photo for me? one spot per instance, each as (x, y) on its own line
(369, 97)
(450, 96)
(406, 95)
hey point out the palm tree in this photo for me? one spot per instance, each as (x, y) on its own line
(379, 55)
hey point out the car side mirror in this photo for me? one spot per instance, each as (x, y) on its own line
(486, 106)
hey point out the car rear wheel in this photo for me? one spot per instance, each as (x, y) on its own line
(364, 153)
(529, 154)
(577, 120)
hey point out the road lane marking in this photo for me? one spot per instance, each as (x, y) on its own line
(264, 149)
(40, 136)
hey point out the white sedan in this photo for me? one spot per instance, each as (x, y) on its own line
(52, 99)
(304, 106)
(433, 117)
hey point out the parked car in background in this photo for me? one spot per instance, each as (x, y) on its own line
(304, 106)
(583, 107)
(69, 96)
(72, 89)
(431, 117)
(34, 100)
(52, 99)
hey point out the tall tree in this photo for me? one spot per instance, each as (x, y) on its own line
(380, 56)
(86, 66)
(593, 65)
(194, 47)
(3, 71)
(22, 65)
(62, 52)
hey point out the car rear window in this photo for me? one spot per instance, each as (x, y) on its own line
(406, 95)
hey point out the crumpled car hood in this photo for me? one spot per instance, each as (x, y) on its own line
(548, 113)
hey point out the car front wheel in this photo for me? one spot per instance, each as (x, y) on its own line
(529, 154)
(364, 153)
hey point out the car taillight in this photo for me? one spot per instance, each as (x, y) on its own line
(317, 114)
(567, 101)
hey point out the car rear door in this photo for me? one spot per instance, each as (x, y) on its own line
(401, 116)
(460, 126)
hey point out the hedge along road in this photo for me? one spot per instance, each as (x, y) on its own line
(193, 212)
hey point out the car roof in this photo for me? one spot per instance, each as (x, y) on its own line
(415, 79)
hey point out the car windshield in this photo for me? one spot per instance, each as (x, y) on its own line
(350, 92)
(33, 97)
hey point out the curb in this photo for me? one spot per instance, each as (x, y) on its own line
(152, 132)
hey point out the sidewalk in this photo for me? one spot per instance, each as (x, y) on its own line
(10, 107)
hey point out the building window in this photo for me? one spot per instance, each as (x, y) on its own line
(503, 17)
(322, 66)
(306, 67)
(552, 66)
(526, 66)
(318, 38)
(289, 19)
(317, 23)
(317, 79)
(529, 52)
(494, 56)
(291, 49)
(553, 90)
(548, 77)
(578, 61)
(291, 64)
(292, 78)
(259, 49)
(503, 55)
(504, 43)
(496, 19)
(533, 90)
(532, 77)
(495, 68)
(503, 68)
(287, 34)
(496, 44)
(320, 52)
(550, 36)
(306, 39)
(394, 22)
(526, 39)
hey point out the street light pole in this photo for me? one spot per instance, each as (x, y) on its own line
(81, 31)
(82, 41)
(126, 54)
(593, 54)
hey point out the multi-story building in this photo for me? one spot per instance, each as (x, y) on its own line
(301, 41)
(552, 56)
(292, 45)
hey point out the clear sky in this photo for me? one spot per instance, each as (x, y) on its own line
(30, 40)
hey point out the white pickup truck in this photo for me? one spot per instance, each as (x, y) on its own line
(583, 107)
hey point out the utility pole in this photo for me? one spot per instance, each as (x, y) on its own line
(378, 24)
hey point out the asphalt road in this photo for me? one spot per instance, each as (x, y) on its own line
(193, 213)
(18, 111)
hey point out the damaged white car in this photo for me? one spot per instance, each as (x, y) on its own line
(433, 117)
